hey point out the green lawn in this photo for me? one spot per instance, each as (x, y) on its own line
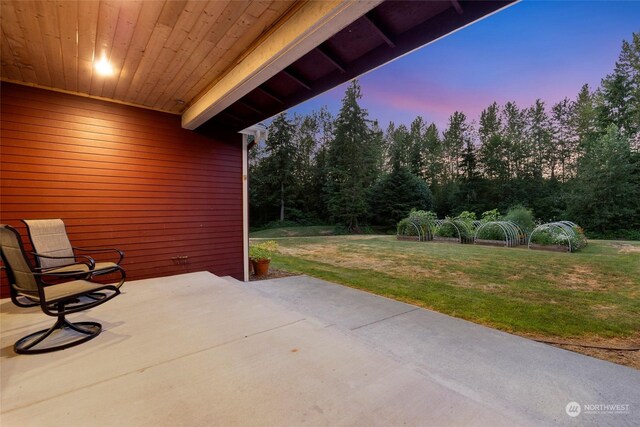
(314, 230)
(594, 292)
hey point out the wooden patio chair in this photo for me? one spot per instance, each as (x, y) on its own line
(51, 243)
(27, 283)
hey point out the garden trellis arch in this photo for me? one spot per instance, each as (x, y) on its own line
(566, 229)
(458, 225)
(514, 235)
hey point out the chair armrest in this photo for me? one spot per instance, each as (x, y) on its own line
(49, 271)
(88, 261)
(102, 250)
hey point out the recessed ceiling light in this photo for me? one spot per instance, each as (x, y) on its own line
(103, 66)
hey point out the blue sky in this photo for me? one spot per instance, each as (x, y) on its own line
(533, 49)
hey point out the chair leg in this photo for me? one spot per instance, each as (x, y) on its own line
(89, 330)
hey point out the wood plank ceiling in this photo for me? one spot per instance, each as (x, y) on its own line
(164, 53)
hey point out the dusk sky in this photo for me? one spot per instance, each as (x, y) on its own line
(533, 49)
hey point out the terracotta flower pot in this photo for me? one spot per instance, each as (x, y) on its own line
(261, 267)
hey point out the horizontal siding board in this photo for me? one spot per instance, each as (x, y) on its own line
(106, 155)
(125, 145)
(16, 122)
(37, 157)
(86, 176)
(122, 177)
(43, 169)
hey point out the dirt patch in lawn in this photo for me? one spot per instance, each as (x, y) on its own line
(274, 273)
(625, 248)
(582, 278)
(346, 257)
(614, 350)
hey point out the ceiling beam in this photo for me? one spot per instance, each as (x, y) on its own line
(457, 7)
(332, 58)
(270, 94)
(293, 76)
(304, 28)
(249, 106)
(378, 29)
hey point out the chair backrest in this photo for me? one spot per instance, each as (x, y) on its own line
(49, 237)
(18, 267)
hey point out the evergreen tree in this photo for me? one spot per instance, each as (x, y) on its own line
(492, 151)
(352, 158)
(400, 146)
(605, 196)
(280, 161)
(515, 149)
(454, 140)
(564, 139)
(417, 148)
(433, 155)
(585, 118)
(621, 91)
(540, 150)
(395, 194)
(305, 145)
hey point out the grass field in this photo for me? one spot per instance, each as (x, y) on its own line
(302, 231)
(594, 293)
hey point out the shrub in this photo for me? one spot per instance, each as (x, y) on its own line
(396, 194)
(492, 215)
(522, 216)
(263, 250)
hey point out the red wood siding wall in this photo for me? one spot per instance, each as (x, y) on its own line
(122, 177)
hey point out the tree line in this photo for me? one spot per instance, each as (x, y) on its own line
(578, 159)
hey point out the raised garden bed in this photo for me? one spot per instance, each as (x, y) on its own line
(486, 242)
(408, 238)
(445, 239)
(550, 248)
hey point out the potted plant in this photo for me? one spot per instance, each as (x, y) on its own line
(260, 256)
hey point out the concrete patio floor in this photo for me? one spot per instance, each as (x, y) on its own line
(196, 349)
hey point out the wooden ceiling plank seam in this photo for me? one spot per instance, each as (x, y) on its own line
(203, 26)
(9, 69)
(125, 28)
(172, 14)
(47, 15)
(32, 33)
(154, 45)
(88, 14)
(143, 31)
(332, 58)
(244, 35)
(15, 39)
(107, 24)
(379, 30)
(179, 34)
(209, 54)
(171, 17)
(271, 16)
(68, 27)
